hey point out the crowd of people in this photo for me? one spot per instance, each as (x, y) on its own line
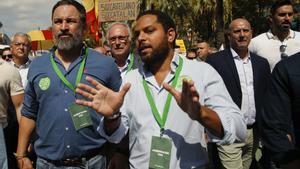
(121, 106)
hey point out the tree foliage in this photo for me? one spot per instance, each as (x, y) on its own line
(209, 19)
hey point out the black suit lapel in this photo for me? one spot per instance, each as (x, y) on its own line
(255, 69)
(232, 66)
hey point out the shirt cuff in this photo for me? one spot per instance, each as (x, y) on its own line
(234, 129)
(115, 137)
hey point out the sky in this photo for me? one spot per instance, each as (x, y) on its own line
(25, 15)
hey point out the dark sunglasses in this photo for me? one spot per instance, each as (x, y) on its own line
(282, 49)
(9, 56)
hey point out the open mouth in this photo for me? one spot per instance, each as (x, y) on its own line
(62, 36)
(286, 25)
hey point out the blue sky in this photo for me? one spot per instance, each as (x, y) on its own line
(25, 15)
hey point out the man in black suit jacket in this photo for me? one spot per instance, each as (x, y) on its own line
(280, 120)
(245, 76)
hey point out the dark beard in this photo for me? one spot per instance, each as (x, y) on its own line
(158, 54)
(284, 28)
(70, 43)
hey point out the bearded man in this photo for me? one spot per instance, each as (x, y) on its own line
(66, 132)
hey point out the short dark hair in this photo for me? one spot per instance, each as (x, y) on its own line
(163, 18)
(200, 40)
(279, 3)
(4, 49)
(77, 5)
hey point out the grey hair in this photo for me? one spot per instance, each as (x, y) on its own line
(21, 34)
(118, 23)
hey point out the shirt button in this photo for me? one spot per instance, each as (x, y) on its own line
(68, 146)
(67, 128)
(66, 91)
(66, 109)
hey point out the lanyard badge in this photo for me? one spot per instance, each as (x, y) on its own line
(80, 114)
(160, 151)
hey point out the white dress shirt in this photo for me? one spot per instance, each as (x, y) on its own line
(245, 72)
(23, 70)
(187, 135)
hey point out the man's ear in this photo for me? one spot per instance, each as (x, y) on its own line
(171, 35)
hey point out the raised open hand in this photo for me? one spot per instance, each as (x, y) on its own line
(100, 98)
(187, 99)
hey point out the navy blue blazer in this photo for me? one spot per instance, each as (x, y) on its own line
(223, 62)
(281, 115)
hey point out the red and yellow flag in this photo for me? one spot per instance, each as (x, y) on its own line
(91, 7)
(41, 39)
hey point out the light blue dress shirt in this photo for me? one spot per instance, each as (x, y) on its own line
(187, 135)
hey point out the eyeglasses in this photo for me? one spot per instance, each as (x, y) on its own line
(122, 39)
(282, 49)
(7, 57)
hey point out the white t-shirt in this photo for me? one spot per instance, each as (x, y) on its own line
(268, 45)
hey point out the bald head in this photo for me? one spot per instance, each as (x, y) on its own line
(240, 34)
(238, 21)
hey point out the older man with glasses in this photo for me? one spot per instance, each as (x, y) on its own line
(20, 48)
(119, 40)
(280, 41)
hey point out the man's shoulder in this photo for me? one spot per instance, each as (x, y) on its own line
(218, 56)
(297, 35)
(41, 59)
(193, 67)
(7, 68)
(221, 53)
(296, 32)
(291, 62)
(257, 57)
(99, 58)
(259, 60)
(261, 38)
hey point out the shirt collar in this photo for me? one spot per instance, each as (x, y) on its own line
(236, 56)
(24, 66)
(123, 68)
(82, 53)
(270, 35)
(174, 64)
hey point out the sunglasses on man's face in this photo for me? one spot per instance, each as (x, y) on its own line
(7, 57)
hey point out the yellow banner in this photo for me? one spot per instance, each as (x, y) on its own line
(180, 43)
(118, 10)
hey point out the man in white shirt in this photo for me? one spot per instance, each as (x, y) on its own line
(169, 104)
(20, 47)
(119, 39)
(280, 41)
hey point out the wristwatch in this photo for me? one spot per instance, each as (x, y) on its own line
(114, 116)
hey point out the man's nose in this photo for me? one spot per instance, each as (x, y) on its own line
(65, 25)
(118, 41)
(141, 36)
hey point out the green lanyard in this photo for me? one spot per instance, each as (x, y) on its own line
(159, 120)
(131, 59)
(63, 78)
